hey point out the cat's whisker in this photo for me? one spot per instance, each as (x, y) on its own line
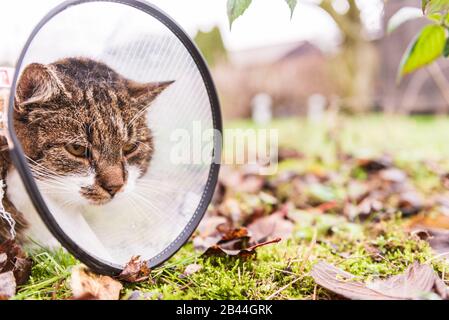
(156, 183)
(45, 178)
(136, 207)
(148, 189)
(161, 191)
(37, 166)
(148, 203)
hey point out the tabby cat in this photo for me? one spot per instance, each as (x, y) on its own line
(83, 128)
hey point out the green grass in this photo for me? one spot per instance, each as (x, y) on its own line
(407, 138)
(280, 271)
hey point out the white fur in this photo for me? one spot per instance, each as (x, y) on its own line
(70, 209)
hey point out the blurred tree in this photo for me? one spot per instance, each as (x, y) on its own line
(212, 46)
(355, 65)
(357, 62)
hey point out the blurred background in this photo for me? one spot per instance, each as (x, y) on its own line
(326, 53)
(329, 69)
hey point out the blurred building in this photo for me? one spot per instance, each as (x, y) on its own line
(288, 73)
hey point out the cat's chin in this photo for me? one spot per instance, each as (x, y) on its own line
(98, 203)
(102, 201)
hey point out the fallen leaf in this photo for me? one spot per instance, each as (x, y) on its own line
(135, 270)
(272, 226)
(410, 203)
(3, 260)
(414, 283)
(417, 280)
(421, 234)
(16, 261)
(432, 228)
(439, 221)
(191, 269)
(7, 285)
(86, 285)
(438, 239)
(234, 234)
(240, 181)
(200, 243)
(209, 224)
(374, 165)
(393, 175)
(139, 295)
(289, 153)
(218, 251)
(22, 270)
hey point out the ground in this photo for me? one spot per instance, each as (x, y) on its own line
(376, 244)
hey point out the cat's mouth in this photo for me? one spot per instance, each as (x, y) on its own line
(96, 195)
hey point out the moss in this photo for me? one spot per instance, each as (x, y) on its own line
(280, 271)
(274, 267)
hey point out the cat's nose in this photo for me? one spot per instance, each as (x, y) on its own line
(112, 190)
(112, 179)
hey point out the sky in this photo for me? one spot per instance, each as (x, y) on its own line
(266, 22)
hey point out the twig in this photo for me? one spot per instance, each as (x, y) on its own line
(440, 80)
(283, 288)
(301, 268)
(437, 257)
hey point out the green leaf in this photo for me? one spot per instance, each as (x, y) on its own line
(292, 5)
(435, 17)
(236, 8)
(446, 49)
(424, 49)
(403, 15)
(435, 6)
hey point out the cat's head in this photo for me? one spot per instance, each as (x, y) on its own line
(84, 128)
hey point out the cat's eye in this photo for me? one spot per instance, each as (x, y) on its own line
(77, 150)
(129, 148)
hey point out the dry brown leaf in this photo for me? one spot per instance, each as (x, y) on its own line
(233, 234)
(7, 285)
(135, 270)
(393, 175)
(13, 258)
(226, 237)
(410, 203)
(209, 224)
(412, 284)
(200, 243)
(374, 165)
(433, 229)
(3, 260)
(272, 226)
(191, 269)
(439, 221)
(438, 239)
(86, 285)
(343, 283)
(416, 281)
(139, 295)
(289, 153)
(219, 251)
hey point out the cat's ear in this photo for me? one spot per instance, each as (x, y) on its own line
(145, 93)
(37, 84)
